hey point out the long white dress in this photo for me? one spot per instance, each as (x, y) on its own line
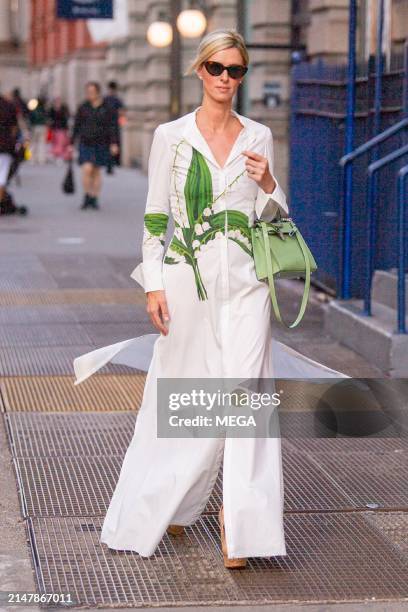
(220, 327)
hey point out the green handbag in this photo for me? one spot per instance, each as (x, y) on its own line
(279, 250)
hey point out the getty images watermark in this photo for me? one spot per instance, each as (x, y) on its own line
(269, 408)
(206, 407)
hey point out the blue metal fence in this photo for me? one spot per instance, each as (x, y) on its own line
(317, 142)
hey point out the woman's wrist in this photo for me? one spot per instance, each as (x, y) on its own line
(268, 185)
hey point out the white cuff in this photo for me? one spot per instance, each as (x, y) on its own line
(267, 204)
(149, 275)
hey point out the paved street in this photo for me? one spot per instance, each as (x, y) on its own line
(55, 217)
(64, 290)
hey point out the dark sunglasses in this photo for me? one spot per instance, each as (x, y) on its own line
(235, 71)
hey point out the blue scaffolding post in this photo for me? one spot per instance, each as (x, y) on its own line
(349, 144)
(379, 69)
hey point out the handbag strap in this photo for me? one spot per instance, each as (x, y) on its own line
(272, 283)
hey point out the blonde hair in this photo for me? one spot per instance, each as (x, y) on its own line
(217, 40)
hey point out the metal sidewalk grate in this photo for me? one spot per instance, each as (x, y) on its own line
(53, 360)
(329, 559)
(72, 296)
(394, 526)
(308, 488)
(75, 486)
(72, 486)
(40, 360)
(379, 478)
(23, 280)
(65, 434)
(58, 393)
(55, 334)
(346, 445)
(64, 447)
(34, 315)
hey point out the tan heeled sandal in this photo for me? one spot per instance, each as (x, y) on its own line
(229, 563)
(175, 530)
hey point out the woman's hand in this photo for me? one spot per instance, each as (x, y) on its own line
(157, 309)
(258, 170)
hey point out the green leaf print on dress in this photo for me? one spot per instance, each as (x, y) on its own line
(156, 224)
(205, 225)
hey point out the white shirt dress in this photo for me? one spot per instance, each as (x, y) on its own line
(220, 327)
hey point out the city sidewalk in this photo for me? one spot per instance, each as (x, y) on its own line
(64, 290)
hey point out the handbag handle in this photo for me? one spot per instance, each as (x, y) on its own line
(272, 283)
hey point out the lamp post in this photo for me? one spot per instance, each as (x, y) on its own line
(175, 62)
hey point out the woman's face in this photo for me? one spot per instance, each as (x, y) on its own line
(92, 93)
(221, 88)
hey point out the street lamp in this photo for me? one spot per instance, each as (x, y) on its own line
(189, 23)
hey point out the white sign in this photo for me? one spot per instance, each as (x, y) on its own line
(110, 29)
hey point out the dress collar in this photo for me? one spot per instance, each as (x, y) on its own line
(192, 134)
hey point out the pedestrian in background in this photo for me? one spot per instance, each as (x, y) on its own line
(58, 118)
(23, 137)
(38, 122)
(8, 134)
(118, 110)
(21, 106)
(97, 133)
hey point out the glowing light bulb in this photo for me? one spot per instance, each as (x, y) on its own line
(191, 23)
(32, 104)
(159, 34)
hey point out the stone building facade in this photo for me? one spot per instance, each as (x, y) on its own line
(14, 34)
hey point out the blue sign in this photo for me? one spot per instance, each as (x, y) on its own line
(85, 9)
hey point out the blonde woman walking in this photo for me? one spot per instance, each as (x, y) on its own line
(213, 171)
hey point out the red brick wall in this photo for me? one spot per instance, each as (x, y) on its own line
(52, 39)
